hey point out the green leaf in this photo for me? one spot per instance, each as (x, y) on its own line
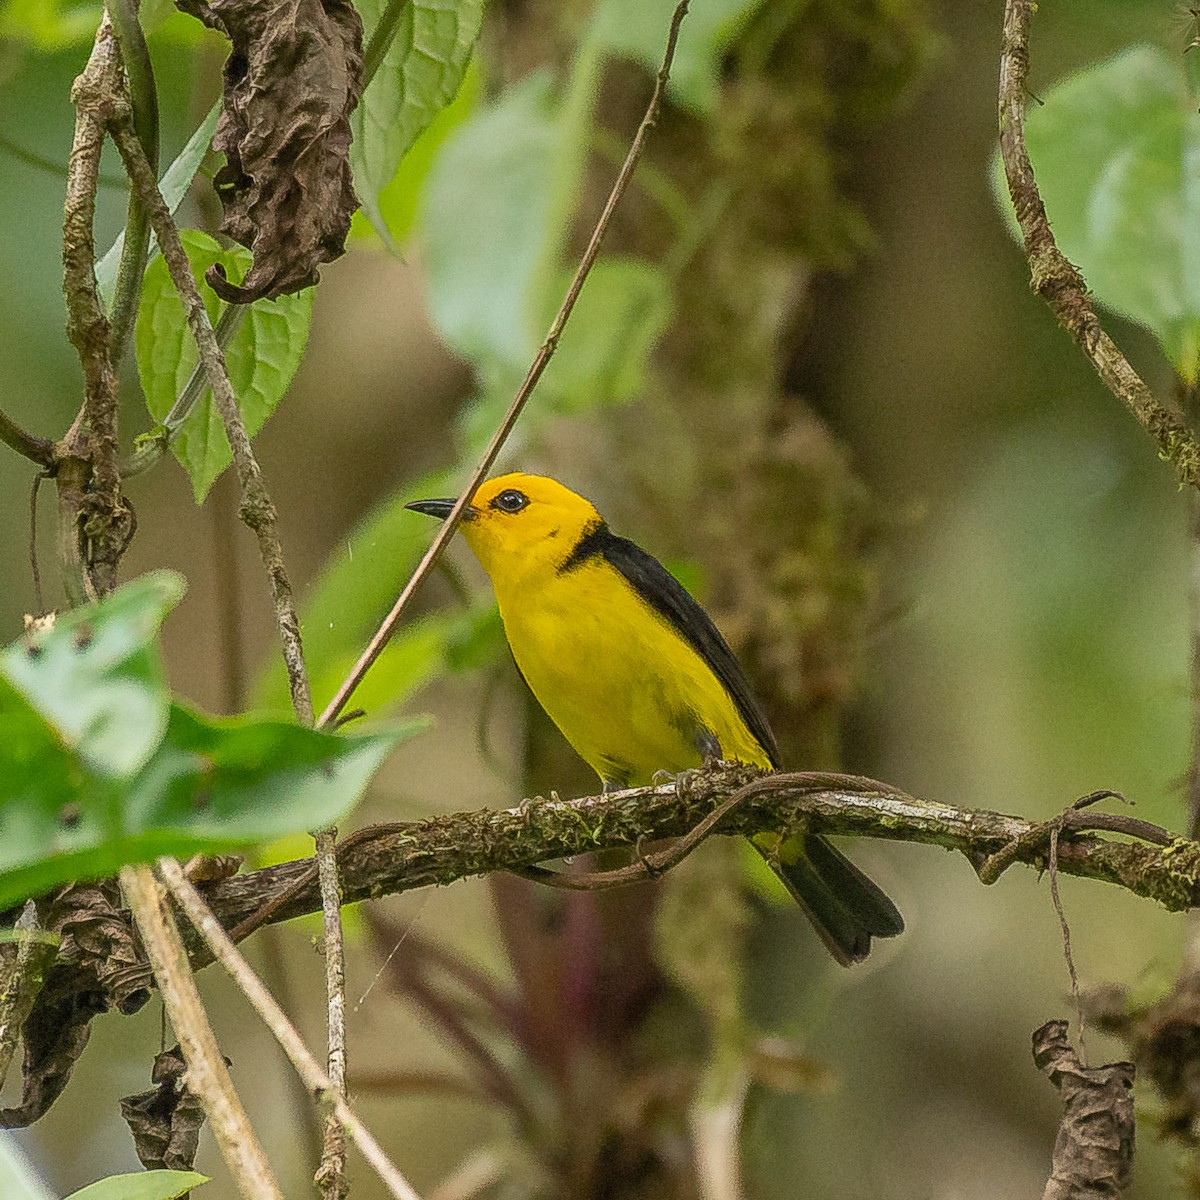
(419, 76)
(141, 1185)
(18, 1179)
(174, 186)
(637, 29)
(98, 768)
(96, 679)
(476, 641)
(1115, 149)
(486, 227)
(212, 785)
(397, 201)
(603, 356)
(261, 358)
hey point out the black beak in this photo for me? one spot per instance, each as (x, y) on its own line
(440, 509)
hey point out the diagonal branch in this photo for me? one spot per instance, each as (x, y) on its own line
(319, 1083)
(207, 1073)
(258, 512)
(1057, 280)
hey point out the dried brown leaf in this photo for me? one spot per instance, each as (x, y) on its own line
(99, 966)
(291, 81)
(1093, 1153)
(165, 1120)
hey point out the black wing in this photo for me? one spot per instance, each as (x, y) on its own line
(668, 597)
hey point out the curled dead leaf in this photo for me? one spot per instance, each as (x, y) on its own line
(1093, 1153)
(99, 966)
(292, 79)
(165, 1120)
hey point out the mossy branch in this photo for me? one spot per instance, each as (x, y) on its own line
(385, 859)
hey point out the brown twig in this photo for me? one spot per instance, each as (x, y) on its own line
(1055, 833)
(540, 362)
(36, 449)
(34, 570)
(257, 511)
(94, 511)
(1057, 280)
(331, 1175)
(207, 1074)
(275, 1019)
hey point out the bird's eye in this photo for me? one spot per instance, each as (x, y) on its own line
(510, 501)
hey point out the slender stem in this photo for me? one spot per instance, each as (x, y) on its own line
(36, 449)
(1056, 280)
(331, 1175)
(381, 39)
(318, 1082)
(541, 360)
(144, 96)
(208, 1077)
(257, 511)
(1189, 398)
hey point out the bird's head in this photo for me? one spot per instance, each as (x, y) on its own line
(518, 523)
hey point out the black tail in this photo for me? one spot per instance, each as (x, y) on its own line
(846, 908)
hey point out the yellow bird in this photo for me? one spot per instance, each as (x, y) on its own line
(637, 677)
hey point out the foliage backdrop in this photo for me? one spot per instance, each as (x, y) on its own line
(1028, 640)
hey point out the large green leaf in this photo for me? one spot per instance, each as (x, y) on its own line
(637, 29)
(418, 77)
(142, 1185)
(98, 768)
(261, 358)
(1116, 150)
(397, 201)
(486, 226)
(96, 679)
(174, 186)
(212, 785)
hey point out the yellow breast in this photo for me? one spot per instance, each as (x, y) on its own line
(625, 688)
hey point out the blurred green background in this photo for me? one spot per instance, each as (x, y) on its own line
(1017, 636)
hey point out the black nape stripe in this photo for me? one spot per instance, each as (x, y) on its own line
(591, 543)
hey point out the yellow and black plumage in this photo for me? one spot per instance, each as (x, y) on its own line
(638, 678)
